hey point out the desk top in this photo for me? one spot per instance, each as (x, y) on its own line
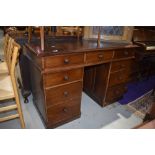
(55, 46)
(58, 44)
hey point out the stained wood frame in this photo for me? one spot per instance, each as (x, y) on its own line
(127, 34)
(12, 55)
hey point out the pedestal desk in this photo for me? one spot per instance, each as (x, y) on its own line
(66, 67)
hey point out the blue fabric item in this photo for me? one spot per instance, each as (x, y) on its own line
(137, 89)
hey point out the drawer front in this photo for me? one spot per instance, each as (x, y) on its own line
(97, 57)
(64, 93)
(115, 93)
(52, 79)
(118, 78)
(63, 112)
(63, 61)
(119, 65)
(125, 53)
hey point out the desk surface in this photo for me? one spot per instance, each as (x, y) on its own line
(56, 44)
(64, 46)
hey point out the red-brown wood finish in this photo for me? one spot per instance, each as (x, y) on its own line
(63, 77)
(64, 93)
(57, 78)
(63, 61)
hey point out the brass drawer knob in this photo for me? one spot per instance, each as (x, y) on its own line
(66, 93)
(55, 51)
(66, 78)
(66, 61)
(65, 110)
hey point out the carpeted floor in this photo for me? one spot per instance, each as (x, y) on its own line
(139, 98)
(137, 90)
(142, 105)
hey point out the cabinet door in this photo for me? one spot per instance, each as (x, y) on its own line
(100, 84)
(89, 79)
(95, 82)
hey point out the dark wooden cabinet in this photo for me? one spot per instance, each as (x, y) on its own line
(106, 83)
(57, 95)
(57, 75)
(58, 78)
(95, 82)
(114, 93)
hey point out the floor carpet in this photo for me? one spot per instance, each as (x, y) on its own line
(142, 105)
(137, 90)
(139, 98)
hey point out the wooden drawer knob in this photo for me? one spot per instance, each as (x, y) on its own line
(120, 78)
(66, 93)
(65, 110)
(100, 56)
(66, 61)
(66, 78)
(55, 51)
(122, 65)
(126, 53)
(117, 92)
(126, 88)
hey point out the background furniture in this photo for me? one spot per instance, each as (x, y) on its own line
(71, 30)
(145, 38)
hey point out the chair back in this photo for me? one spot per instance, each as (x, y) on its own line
(6, 41)
(13, 54)
(9, 52)
(13, 59)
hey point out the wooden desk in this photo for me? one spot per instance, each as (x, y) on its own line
(67, 66)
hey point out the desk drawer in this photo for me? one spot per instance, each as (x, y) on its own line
(63, 61)
(64, 93)
(97, 57)
(63, 112)
(52, 79)
(115, 93)
(124, 53)
(119, 65)
(118, 78)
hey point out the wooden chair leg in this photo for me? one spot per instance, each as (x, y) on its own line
(14, 84)
(20, 112)
(18, 104)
